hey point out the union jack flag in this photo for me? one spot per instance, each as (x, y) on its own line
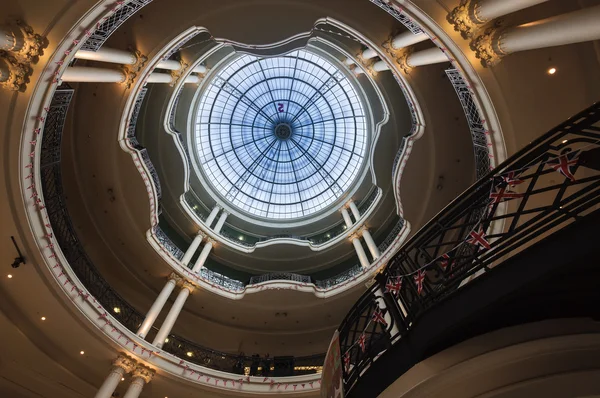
(347, 360)
(362, 341)
(393, 285)
(565, 164)
(501, 194)
(419, 279)
(478, 238)
(377, 317)
(445, 261)
(511, 178)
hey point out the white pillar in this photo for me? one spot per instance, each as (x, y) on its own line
(349, 61)
(380, 66)
(574, 27)
(203, 255)
(141, 377)
(394, 331)
(192, 79)
(157, 307)
(346, 217)
(156, 77)
(93, 75)
(354, 210)
(211, 217)
(169, 322)
(368, 54)
(407, 39)
(371, 244)
(4, 72)
(122, 365)
(110, 55)
(199, 69)
(189, 253)
(427, 57)
(169, 64)
(221, 221)
(486, 10)
(362, 256)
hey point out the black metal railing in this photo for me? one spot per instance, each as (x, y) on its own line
(280, 276)
(103, 30)
(83, 267)
(549, 184)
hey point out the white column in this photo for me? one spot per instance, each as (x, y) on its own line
(368, 54)
(388, 318)
(349, 61)
(574, 27)
(4, 72)
(486, 10)
(427, 57)
(158, 305)
(203, 255)
(362, 256)
(189, 253)
(380, 66)
(221, 221)
(156, 77)
(93, 75)
(141, 377)
(354, 210)
(407, 39)
(346, 217)
(199, 69)
(122, 365)
(110, 55)
(192, 79)
(169, 64)
(211, 217)
(169, 322)
(371, 244)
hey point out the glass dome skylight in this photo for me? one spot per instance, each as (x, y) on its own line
(281, 137)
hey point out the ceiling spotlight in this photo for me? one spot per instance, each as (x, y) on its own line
(167, 340)
(122, 379)
(9, 276)
(81, 352)
(565, 141)
(190, 354)
(43, 318)
(552, 71)
(117, 310)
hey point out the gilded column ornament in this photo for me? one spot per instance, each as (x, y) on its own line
(131, 71)
(125, 362)
(187, 285)
(487, 46)
(353, 236)
(367, 64)
(399, 55)
(26, 45)
(464, 18)
(14, 75)
(144, 373)
(175, 277)
(177, 74)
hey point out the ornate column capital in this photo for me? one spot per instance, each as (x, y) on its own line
(362, 229)
(144, 373)
(211, 240)
(367, 64)
(177, 74)
(402, 59)
(353, 236)
(17, 73)
(187, 285)
(464, 18)
(29, 46)
(486, 46)
(202, 234)
(131, 71)
(125, 362)
(175, 277)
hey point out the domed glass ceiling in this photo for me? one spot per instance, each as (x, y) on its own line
(281, 137)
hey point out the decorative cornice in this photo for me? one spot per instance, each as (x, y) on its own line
(187, 285)
(125, 362)
(354, 236)
(144, 373)
(18, 72)
(175, 277)
(486, 46)
(464, 19)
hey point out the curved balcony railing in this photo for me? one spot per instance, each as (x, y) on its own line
(280, 276)
(84, 268)
(549, 184)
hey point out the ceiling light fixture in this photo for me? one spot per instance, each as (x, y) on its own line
(117, 310)
(9, 276)
(122, 379)
(552, 71)
(81, 352)
(43, 318)
(190, 354)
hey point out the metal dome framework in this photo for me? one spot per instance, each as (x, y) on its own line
(282, 137)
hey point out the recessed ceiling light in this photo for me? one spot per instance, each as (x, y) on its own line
(167, 340)
(565, 141)
(43, 318)
(117, 310)
(552, 71)
(189, 354)
(122, 379)
(9, 276)
(82, 352)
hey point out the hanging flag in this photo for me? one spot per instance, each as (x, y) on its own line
(511, 178)
(393, 285)
(347, 360)
(362, 340)
(419, 279)
(377, 317)
(445, 261)
(565, 164)
(478, 238)
(501, 194)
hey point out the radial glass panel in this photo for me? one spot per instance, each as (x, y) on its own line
(281, 137)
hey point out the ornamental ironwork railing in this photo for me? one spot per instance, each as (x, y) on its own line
(399, 15)
(474, 120)
(364, 206)
(103, 30)
(222, 280)
(153, 174)
(391, 236)
(552, 182)
(167, 243)
(135, 114)
(339, 278)
(82, 265)
(280, 276)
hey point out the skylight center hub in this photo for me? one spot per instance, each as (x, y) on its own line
(283, 131)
